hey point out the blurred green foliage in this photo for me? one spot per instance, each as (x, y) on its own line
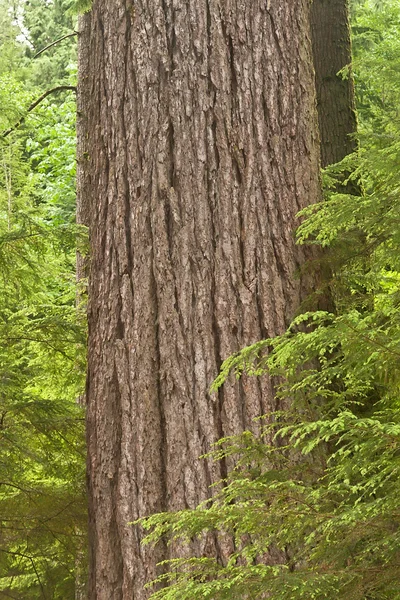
(43, 336)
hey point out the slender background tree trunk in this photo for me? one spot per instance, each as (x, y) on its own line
(198, 140)
(330, 29)
(82, 155)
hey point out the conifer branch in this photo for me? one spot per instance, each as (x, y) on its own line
(34, 104)
(32, 561)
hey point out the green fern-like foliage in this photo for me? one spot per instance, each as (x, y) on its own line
(334, 526)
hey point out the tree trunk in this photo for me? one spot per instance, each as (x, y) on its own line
(199, 133)
(82, 157)
(335, 90)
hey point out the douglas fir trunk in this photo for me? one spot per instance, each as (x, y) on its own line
(198, 145)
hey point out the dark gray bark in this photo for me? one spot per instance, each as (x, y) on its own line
(335, 91)
(198, 144)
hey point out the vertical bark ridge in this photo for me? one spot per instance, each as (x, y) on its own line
(335, 92)
(200, 128)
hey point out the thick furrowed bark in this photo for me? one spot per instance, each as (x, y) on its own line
(200, 145)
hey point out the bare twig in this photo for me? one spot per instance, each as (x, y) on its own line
(59, 88)
(30, 558)
(64, 37)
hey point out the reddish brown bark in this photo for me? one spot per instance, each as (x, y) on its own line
(198, 144)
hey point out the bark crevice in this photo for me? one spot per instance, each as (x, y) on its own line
(203, 148)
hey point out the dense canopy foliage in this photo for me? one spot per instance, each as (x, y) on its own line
(42, 495)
